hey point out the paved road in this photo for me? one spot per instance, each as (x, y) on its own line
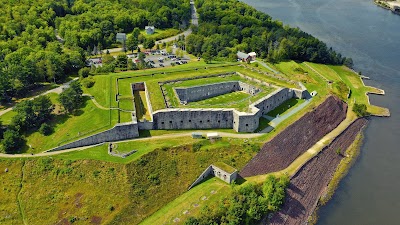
(194, 21)
(57, 90)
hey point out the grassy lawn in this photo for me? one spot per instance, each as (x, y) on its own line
(142, 146)
(190, 203)
(10, 186)
(229, 100)
(263, 123)
(285, 107)
(7, 117)
(87, 120)
(56, 191)
(160, 33)
(153, 175)
(142, 111)
(237, 100)
(29, 94)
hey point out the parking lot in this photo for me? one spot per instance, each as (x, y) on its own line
(160, 60)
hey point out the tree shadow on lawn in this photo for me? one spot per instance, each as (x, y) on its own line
(55, 121)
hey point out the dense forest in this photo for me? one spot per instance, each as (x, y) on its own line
(228, 26)
(31, 53)
(45, 40)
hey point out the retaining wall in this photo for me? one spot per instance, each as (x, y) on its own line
(197, 93)
(117, 133)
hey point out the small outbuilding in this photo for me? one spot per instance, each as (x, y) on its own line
(121, 37)
(213, 136)
(196, 135)
(221, 170)
(252, 56)
(244, 57)
(150, 29)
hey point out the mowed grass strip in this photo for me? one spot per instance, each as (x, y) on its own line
(286, 107)
(141, 146)
(190, 203)
(87, 120)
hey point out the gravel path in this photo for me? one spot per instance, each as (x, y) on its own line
(57, 90)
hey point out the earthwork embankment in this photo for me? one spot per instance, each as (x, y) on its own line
(278, 153)
(307, 185)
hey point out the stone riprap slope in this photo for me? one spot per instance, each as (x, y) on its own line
(297, 138)
(308, 184)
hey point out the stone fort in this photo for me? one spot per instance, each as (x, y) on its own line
(197, 118)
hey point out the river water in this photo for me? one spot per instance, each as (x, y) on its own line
(370, 193)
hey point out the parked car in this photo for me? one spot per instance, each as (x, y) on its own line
(178, 63)
(162, 65)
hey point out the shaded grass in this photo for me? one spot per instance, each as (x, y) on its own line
(285, 107)
(142, 112)
(262, 124)
(87, 120)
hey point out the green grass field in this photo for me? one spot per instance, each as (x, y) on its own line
(285, 107)
(86, 121)
(10, 182)
(190, 203)
(238, 100)
(142, 146)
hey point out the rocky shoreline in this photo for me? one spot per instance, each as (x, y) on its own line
(312, 180)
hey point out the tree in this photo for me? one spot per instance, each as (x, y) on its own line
(84, 72)
(207, 57)
(45, 129)
(12, 141)
(42, 107)
(133, 40)
(360, 110)
(122, 61)
(148, 43)
(71, 98)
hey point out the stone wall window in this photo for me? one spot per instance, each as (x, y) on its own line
(208, 121)
(190, 121)
(162, 122)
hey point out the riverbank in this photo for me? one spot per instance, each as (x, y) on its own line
(393, 6)
(303, 193)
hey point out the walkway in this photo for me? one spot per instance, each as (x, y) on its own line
(268, 67)
(105, 108)
(56, 90)
(275, 121)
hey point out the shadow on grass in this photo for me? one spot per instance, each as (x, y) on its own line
(288, 104)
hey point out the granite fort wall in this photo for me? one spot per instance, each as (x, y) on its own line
(201, 92)
(192, 119)
(223, 118)
(118, 132)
